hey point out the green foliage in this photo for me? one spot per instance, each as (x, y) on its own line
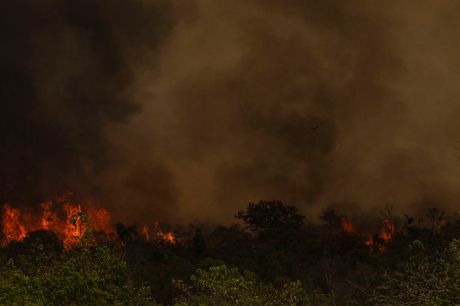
(224, 286)
(97, 273)
(95, 276)
(16, 288)
(274, 244)
(423, 279)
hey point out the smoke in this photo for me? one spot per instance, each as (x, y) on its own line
(190, 110)
(67, 69)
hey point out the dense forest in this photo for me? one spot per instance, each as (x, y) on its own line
(271, 255)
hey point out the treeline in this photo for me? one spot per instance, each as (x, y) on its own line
(270, 256)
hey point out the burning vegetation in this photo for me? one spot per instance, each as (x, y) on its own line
(184, 110)
(69, 221)
(334, 258)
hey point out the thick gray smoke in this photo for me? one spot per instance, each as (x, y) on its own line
(189, 110)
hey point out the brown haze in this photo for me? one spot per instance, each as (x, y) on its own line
(187, 110)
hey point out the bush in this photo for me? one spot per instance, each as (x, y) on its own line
(423, 279)
(95, 276)
(222, 286)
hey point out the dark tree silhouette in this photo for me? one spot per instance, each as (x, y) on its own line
(199, 244)
(126, 233)
(331, 218)
(267, 216)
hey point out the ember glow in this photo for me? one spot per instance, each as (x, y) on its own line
(146, 232)
(167, 237)
(386, 233)
(74, 228)
(376, 242)
(346, 225)
(49, 218)
(100, 219)
(12, 227)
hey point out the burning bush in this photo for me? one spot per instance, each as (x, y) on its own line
(73, 223)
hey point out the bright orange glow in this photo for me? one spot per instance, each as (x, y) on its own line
(347, 227)
(146, 232)
(167, 236)
(13, 229)
(370, 242)
(386, 234)
(100, 219)
(164, 236)
(387, 231)
(74, 227)
(49, 219)
(70, 222)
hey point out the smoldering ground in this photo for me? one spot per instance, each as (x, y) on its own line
(189, 110)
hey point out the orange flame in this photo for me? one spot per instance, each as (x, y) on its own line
(70, 229)
(386, 234)
(387, 231)
(146, 232)
(164, 236)
(49, 218)
(347, 227)
(167, 236)
(13, 230)
(100, 219)
(74, 227)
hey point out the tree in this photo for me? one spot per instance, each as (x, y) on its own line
(16, 288)
(423, 279)
(126, 233)
(84, 276)
(271, 216)
(223, 286)
(199, 244)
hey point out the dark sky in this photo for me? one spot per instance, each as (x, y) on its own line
(187, 110)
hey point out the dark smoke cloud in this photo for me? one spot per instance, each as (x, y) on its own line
(313, 102)
(67, 68)
(344, 103)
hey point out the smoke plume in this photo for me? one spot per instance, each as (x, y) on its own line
(189, 110)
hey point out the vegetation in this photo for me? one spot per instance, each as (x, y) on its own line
(221, 285)
(85, 276)
(423, 279)
(271, 257)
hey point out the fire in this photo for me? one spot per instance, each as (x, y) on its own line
(12, 227)
(387, 231)
(70, 229)
(347, 227)
(146, 232)
(49, 219)
(168, 237)
(100, 219)
(74, 228)
(386, 234)
(70, 222)
(164, 236)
